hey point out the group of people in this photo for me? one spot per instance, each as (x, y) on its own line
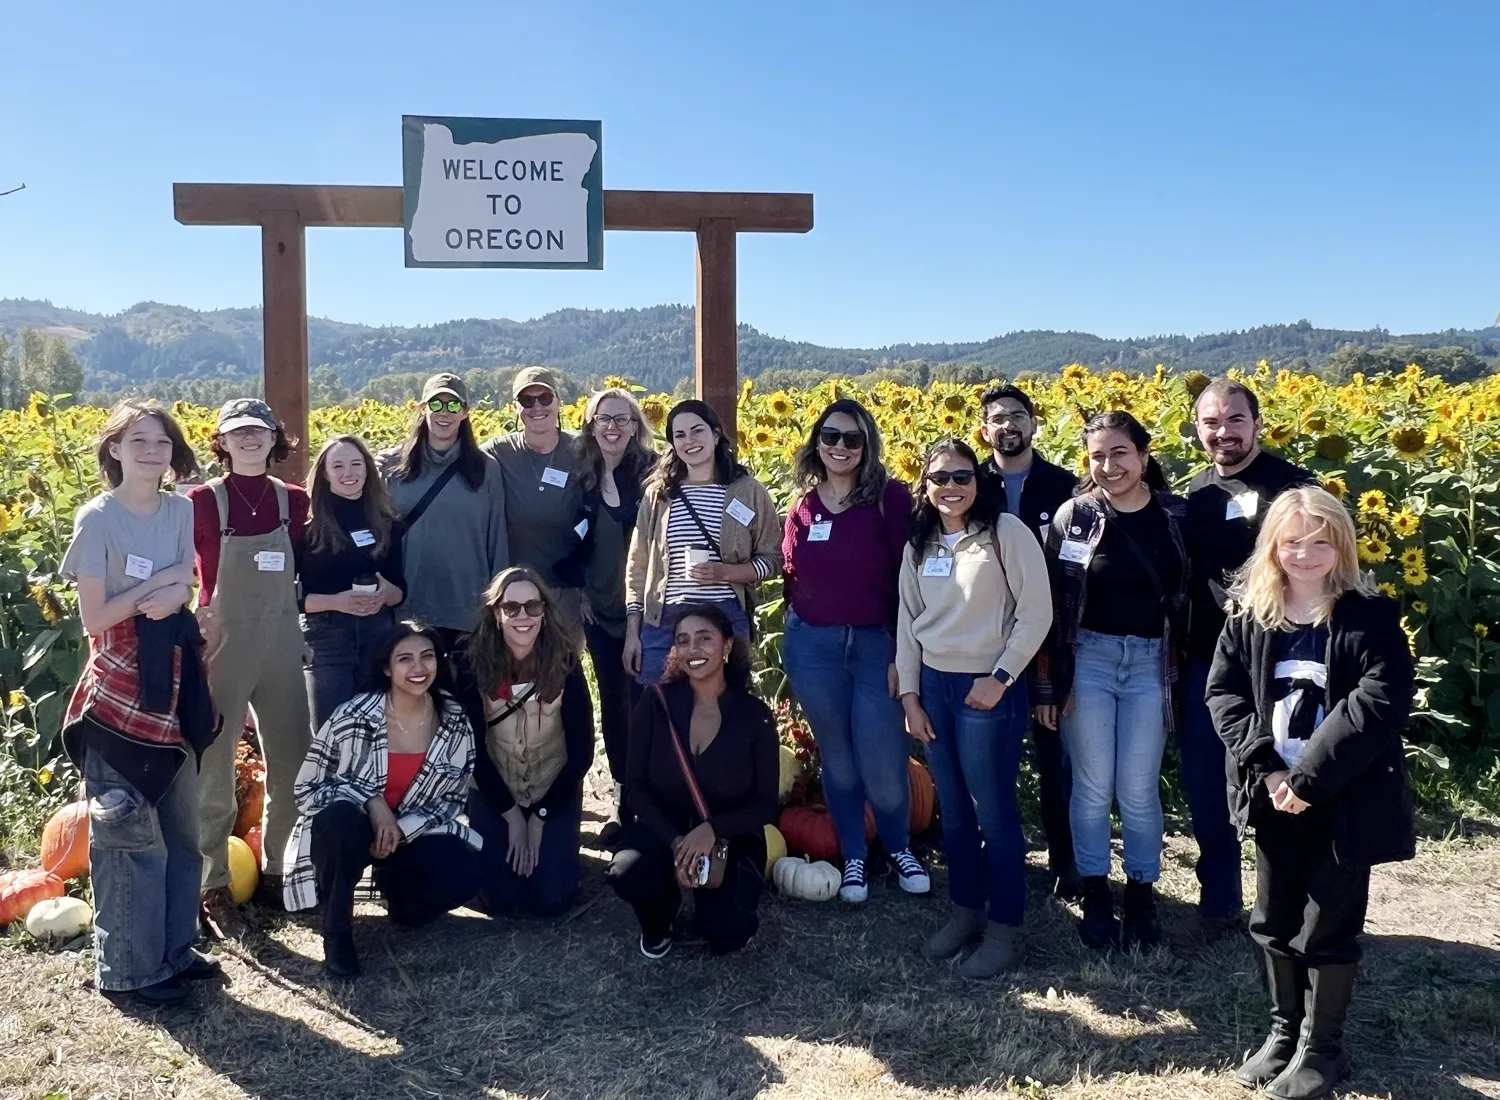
(409, 633)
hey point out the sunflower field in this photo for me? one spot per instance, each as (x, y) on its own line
(1416, 460)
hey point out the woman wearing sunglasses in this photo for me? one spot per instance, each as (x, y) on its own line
(707, 533)
(617, 455)
(975, 608)
(843, 543)
(451, 497)
(537, 745)
(543, 469)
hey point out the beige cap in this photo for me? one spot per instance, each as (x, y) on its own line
(534, 376)
(443, 383)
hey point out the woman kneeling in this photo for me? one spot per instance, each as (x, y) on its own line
(703, 774)
(538, 746)
(384, 784)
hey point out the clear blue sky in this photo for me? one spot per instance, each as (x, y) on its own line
(1118, 168)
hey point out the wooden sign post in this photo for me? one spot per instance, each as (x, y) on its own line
(285, 211)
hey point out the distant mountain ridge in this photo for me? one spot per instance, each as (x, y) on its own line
(152, 343)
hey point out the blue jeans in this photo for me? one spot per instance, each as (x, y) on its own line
(975, 756)
(146, 873)
(839, 675)
(656, 641)
(1205, 776)
(341, 649)
(553, 883)
(1115, 737)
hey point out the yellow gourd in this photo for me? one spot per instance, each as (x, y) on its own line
(790, 772)
(775, 848)
(244, 872)
(797, 878)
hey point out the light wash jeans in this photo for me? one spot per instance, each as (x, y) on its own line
(146, 872)
(656, 641)
(839, 675)
(1115, 737)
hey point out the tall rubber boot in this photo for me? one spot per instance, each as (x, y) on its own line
(1287, 979)
(1321, 1061)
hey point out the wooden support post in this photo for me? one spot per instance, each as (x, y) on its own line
(284, 295)
(716, 366)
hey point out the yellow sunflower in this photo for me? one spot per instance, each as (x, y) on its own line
(1481, 631)
(954, 403)
(1281, 434)
(655, 411)
(1388, 589)
(760, 437)
(1372, 502)
(1336, 486)
(1373, 548)
(907, 464)
(1406, 523)
(1419, 606)
(1414, 568)
(780, 405)
(1410, 443)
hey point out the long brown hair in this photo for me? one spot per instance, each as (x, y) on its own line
(183, 462)
(470, 458)
(323, 531)
(670, 471)
(869, 476)
(549, 663)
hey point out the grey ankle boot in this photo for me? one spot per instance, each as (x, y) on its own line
(998, 951)
(965, 926)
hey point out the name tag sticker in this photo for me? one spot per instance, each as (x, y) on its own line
(819, 532)
(362, 538)
(270, 561)
(582, 528)
(937, 567)
(551, 475)
(1243, 506)
(138, 567)
(1074, 550)
(738, 510)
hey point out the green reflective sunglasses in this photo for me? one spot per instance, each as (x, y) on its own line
(453, 405)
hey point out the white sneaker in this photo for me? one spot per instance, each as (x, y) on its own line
(909, 872)
(854, 889)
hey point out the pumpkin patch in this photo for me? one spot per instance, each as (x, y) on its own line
(65, 842)
(20, 890)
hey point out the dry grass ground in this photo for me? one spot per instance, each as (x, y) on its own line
(827, 1002)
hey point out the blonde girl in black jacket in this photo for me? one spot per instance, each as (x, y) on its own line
(1310, 690)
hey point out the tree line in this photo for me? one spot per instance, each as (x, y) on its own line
(36, 363)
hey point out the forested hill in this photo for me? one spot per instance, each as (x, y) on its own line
(151, 344)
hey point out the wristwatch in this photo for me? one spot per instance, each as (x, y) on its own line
(1004, 677)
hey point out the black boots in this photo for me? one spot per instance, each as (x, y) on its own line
(1099, 929)
(1287, 979)
(1320, 1062)
(339, 957)
(1139, 916)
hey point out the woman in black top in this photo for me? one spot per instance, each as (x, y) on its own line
(728, 739)
(616, 456)
(1119, 581)
(349, 567)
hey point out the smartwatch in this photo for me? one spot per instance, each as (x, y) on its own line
(1004, 677)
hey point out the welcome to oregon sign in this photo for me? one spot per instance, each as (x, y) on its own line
(502, 192)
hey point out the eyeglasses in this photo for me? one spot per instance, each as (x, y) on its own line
(604, 420)
(527, 400)
(532, 609)
(1000, 419)
(830, 437)
(958, 477)
(453, 405)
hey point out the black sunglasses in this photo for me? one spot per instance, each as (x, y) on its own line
(529, 399)
(532, 608)
(830, 437)
(453, 405)
(958, 477)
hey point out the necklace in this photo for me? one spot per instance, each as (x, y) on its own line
(390, 713)
(254, 508)
(541, 486)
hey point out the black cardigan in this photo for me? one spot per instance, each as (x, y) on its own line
(1046, 489)
(578, 741)
(1354, 766)
(738, 772)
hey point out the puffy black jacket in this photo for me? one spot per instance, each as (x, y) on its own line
(1355, 762)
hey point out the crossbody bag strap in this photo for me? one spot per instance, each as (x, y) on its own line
(430, 495)
(703, 527)
(687, 768)
(515, 705)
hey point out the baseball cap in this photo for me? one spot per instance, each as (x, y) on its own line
(533, 376)
(445, 383)
(246, 412)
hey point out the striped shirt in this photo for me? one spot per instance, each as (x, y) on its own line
(683, 533)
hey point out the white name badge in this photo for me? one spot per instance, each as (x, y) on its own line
(1243, 506)
(937, 567)
(138, 567)
(582, 528)
(819, 532)
(362, 538)
(270, 561)
(738, 510)
(1074, 550)
(551, 475)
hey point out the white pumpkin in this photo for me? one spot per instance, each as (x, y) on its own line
(797, 878)
(59, 919)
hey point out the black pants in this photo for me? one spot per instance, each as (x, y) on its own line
(552, 885)
(420, 880)
(618, 694)
(1307, 906)
(1055, 789)
(643, 874)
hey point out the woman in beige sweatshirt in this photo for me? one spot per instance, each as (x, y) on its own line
(975, 606)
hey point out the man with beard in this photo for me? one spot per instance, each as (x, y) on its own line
(1225, 506)
(1029, 487)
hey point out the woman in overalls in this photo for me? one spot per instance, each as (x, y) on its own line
(245, 526)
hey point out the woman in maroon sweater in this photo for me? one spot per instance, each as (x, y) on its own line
(728, 738)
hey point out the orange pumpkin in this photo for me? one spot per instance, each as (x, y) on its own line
(923, 795)
(65, 842)
(20, 890)
(252, 838)
(809, 831)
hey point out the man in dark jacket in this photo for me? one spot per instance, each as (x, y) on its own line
(1225, 506)
(1029, 487)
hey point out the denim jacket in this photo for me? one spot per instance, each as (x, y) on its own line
(1084, 518)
